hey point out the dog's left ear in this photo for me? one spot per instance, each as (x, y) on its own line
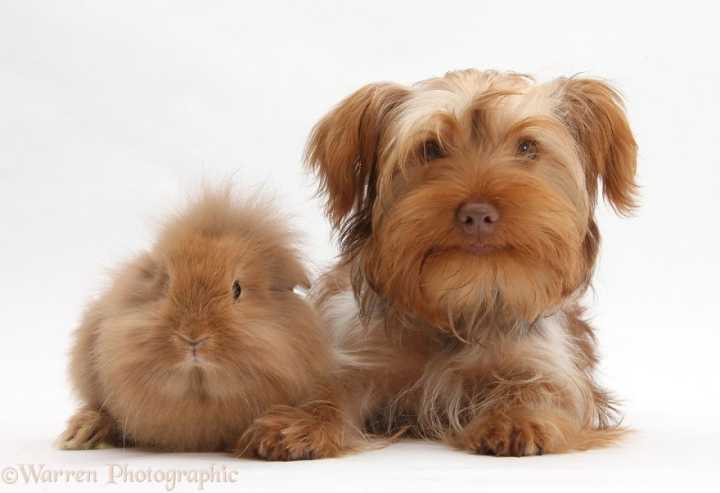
(595, 113)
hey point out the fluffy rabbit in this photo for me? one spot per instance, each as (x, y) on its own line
(197, 337)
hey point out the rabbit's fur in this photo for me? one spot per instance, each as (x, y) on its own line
(198, 336)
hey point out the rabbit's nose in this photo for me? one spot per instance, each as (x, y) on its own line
(193, 343)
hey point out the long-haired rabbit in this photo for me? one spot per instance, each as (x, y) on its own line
(198, 336)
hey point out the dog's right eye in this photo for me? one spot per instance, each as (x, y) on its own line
(528, 149)
(432, 150)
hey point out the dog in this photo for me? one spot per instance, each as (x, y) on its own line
(465, 209)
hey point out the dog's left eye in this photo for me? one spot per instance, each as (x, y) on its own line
(431, 150)
(528, 148)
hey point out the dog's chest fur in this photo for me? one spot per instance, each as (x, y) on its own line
(423, 377)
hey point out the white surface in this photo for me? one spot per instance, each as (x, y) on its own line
(657, 459)
(110, 112)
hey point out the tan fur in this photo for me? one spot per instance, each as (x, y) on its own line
(488, 352)
(132, 368)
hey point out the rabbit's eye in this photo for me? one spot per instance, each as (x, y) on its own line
(236, 290)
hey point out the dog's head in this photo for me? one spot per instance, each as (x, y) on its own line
(474, 192)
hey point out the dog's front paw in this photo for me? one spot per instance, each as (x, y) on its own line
(285, 433)
(504, 435)
(87, 429)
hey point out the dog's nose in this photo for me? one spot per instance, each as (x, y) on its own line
(477, 218)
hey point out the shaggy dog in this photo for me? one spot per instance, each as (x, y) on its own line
(465, 209)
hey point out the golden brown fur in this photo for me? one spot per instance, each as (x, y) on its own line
(480, 343)
(143, 384)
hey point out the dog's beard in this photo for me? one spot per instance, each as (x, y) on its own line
(417, 263)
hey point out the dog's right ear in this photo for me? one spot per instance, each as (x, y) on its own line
(344, 146)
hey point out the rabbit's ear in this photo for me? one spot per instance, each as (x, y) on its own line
(148, 276)
(148, 266)
(288, 272)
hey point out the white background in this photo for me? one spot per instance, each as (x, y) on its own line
(111, 112)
